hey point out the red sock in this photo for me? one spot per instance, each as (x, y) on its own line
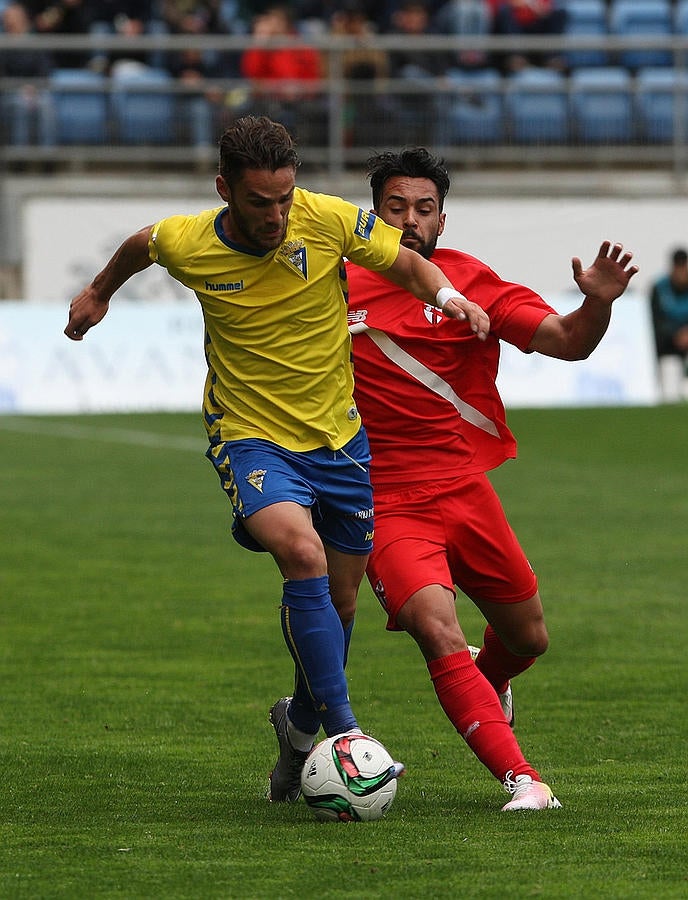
(498, 664)
(473, 708)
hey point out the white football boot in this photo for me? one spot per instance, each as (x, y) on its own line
(528, 794)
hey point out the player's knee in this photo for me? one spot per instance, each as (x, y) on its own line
(532, 643)
(435, 637)
(302, 557)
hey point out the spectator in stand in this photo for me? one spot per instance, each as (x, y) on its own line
(129, 18)
(370, 111)
(528, 18)
(412, 19)
(465, 17)
(284, 80)
(26, 110)
(364, 61)
(193, 17)
(126, 18)
(61, 17)
(669, 305)
(203, 105)
(416, 110)
(315, 16)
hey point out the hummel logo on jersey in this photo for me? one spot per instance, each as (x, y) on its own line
(255, 478)
(294, 253)
(224, 285)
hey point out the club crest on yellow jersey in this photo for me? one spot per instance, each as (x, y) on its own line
(293, 254)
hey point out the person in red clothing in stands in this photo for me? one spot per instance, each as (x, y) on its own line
(528, 17)
(426, 391)
(284, 80)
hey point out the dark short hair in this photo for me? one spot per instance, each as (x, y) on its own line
(679, 257)
(256, 142)
(412, 162)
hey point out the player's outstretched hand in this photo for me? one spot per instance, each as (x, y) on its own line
(608, 276)
(85, 310)
(460, 308)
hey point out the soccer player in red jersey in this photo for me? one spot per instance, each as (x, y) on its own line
(426, 391)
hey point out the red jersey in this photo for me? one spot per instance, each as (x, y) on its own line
(523, 12)
(297, 64)
(425, 384)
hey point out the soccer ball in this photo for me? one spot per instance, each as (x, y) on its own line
(349, 778)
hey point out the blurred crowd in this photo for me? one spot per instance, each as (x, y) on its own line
(275, 80)
(263, 19)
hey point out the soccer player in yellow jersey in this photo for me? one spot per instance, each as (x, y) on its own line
(285, 436)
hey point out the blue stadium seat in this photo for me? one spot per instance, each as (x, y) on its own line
(144, 105)
(475, 115)
(586, 18)
(642, 18)
(661, 96)
(681, 17)
(79, 106)
(27, 120)
(602, 105)
(536, 107)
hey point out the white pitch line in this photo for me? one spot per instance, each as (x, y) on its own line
(106, 435)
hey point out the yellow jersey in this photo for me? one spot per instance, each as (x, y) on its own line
(277, 344)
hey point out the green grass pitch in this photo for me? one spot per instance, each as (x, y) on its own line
(140, 650)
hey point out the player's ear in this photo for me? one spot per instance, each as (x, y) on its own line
(222, 188)
(440, 224)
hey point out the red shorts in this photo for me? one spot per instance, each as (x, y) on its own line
(449, 532)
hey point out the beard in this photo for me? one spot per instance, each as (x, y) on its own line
(413, 241)
(256, 237)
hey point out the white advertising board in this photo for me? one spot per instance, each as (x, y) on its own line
(142, 356)
(620, 372)
(148, 356)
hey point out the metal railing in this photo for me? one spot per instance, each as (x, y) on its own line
(339, 121)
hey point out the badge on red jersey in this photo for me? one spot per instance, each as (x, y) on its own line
(432, 314)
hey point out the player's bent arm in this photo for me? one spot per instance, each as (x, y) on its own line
(91, 305)
(425, 280)
(576, 335)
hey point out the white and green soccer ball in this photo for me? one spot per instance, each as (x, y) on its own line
(350, 778)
